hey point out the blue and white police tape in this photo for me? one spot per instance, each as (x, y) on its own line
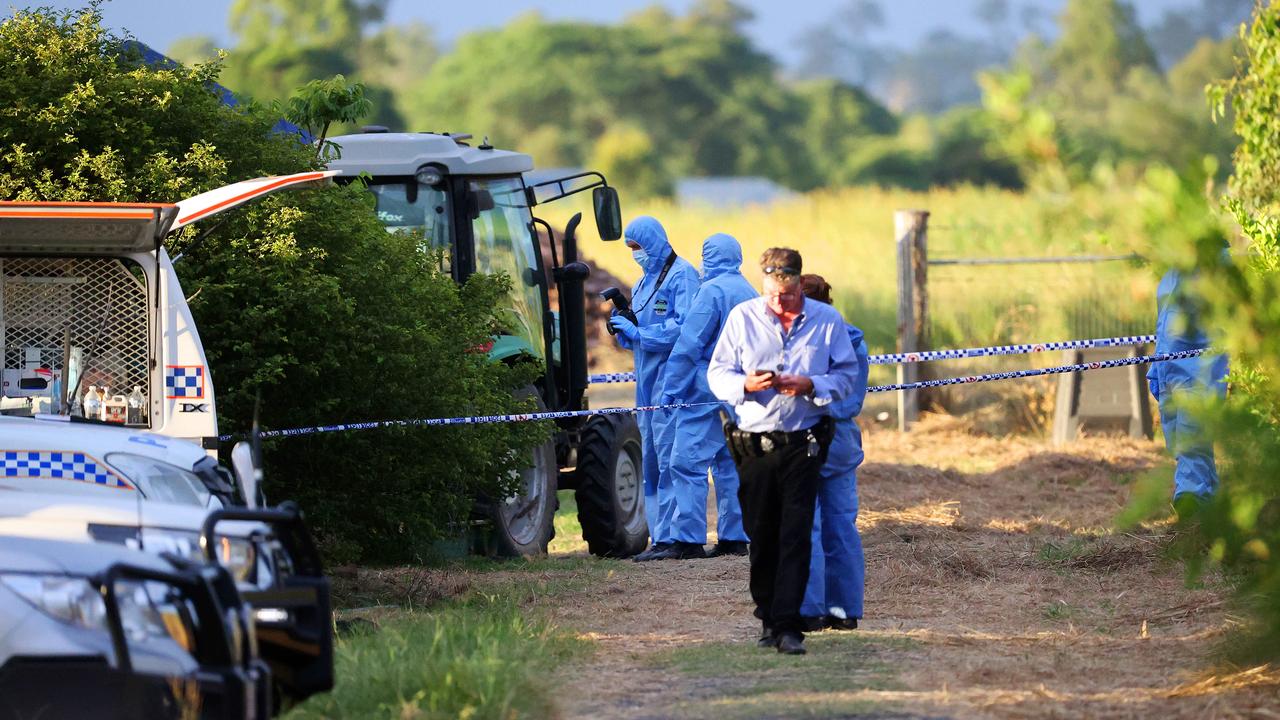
(1013, 374)
(484, 419)
(929, 355)
(1024, 349)
(472, 420)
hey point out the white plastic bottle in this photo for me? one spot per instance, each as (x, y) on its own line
(93, 403)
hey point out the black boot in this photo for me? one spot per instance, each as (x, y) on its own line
(680, 551)
(790, 643)
(767, 639)
(648, 554)
(814, 624)
(835, 623)
(729, 547)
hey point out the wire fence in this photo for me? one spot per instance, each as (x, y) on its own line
(955, 289)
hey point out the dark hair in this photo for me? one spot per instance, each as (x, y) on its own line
(782, 257)
(816, 287)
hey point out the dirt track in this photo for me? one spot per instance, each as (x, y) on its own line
(996, 588)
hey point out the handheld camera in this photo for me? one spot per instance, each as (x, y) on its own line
(621, 306)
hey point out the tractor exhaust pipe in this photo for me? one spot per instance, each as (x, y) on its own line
(571, 279)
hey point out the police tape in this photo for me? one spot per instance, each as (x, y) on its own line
(472, 420)
(930, 355)
(1014, 374)
(562, 414)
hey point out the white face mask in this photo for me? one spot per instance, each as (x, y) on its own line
(641, 256)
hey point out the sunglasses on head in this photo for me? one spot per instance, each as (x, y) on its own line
(783, 270)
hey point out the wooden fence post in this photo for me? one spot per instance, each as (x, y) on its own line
(910, 229)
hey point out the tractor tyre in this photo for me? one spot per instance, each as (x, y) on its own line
(524, 523)
(610, 490)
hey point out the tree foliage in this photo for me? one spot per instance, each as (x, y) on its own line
(302, 297)
(1096, 97)
(661, 95)
(1239, 298)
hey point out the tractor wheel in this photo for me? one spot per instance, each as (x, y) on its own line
(610, 490)
(524, 523)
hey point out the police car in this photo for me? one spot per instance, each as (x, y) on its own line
(109, 632)
(93, 483)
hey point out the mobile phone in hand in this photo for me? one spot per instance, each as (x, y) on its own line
(769, 373)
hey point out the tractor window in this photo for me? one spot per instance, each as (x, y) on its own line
(409, 206)
(505, 244)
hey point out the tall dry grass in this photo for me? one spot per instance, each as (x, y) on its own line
(847, 235)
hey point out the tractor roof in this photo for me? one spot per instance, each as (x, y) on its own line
(383, 153)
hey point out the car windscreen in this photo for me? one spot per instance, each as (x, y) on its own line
(158, 480)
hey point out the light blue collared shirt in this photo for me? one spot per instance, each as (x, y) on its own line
(817, 347)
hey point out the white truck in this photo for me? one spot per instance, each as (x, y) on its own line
(89, 298)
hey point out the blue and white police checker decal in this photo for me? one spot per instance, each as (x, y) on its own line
(660, 307)
(184, 382)
(59, 465)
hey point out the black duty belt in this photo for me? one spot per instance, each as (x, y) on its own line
(745, 444)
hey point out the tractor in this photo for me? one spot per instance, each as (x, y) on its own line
(474, 207)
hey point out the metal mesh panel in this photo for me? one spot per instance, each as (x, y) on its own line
(97, 306)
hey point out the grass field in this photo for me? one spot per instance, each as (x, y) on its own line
(848, 237)
(462, 640)
(997, 587)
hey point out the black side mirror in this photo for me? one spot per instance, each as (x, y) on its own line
(478, 200)
(608, 212)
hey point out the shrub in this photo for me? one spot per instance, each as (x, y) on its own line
(1239, 298)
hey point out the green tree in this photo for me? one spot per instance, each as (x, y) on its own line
(627, 151)
(1095, 98)
(388, 62)
(283, 44)
(839, 120)
(193, 49)
(707, 98)
(319, 104)
(302, 297)
(1239, 299)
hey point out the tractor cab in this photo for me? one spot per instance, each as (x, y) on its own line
(89, 300)
(473, 208)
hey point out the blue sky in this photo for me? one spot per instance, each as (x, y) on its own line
(777, 25)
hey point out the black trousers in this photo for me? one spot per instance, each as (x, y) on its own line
(778, 492)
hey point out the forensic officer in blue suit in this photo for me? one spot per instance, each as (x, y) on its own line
(1195, 476)
(661, 301)
(837, 570)
(699, 435)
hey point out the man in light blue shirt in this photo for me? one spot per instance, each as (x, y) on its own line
(781, 360)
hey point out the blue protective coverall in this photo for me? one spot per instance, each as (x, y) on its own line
(660, 311)
(837, 569)
(1176, 331)
(699, 437)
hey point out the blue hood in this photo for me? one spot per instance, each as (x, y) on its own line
(648, 234)
(721, 255)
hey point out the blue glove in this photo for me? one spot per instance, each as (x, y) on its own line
(669, 399)
(1154, 387)
(625, 327)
